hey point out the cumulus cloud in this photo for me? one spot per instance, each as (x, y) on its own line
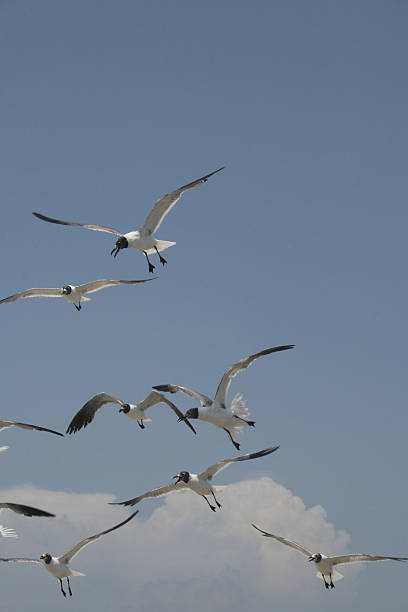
(183, 556)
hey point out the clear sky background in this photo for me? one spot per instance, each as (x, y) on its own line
(106, 106)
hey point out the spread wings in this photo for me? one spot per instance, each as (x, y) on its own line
(97, 285)
(5, 424)
(86, 414)
(244, 363)
(97, 228)
(358, 557)
(155, 398)
(7, 532)
(22, 560)
(306, 552)
(45, 292)
(203, 399)
(163, 206)
(66, 557)
(220, 465)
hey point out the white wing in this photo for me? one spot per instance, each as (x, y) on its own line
(5, 424)
(203, 399)
(46, 292)
(86, 414)
(7, 532)
(358, 558)
(97, 285)
(156, 398)
(97, 228)
(170, 488)
(220, 465)
(163, 206)
(66, 557)
(306, 552)
(221, 394)
(26, 510)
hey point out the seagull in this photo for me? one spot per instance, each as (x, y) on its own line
(73, 293)
(230, 418)
(59, 566)
(199, 483)
(142, 239)
(323, 564)
(133, 411)
(26, 510)
(6, 424)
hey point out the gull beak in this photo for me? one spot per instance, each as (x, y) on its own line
(312, 558)
(182, 418)
(115, 251)
(178, 477)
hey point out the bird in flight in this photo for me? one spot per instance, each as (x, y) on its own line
(59, 566)
(73, 293)
(86, 414)
(22, 509)
(324, 565)
(141, 239)
(199, 483)
(232, 418)
(7, 424)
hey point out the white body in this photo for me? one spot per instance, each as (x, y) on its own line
(59, 569)
(137, 414)
(146, 242)
(225, 417)
(325, 567)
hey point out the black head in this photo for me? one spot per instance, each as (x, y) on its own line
(66, 290)
(120, 244)
(46, 557)
(125, 408)
(317, 557)
(192, 413)
(182, 476)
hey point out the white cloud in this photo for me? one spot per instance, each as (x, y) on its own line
(183, 556)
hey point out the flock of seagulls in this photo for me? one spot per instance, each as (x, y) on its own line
(232, 417)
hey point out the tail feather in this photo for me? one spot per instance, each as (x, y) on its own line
(161, 245)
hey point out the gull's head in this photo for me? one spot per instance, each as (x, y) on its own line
(182, 477)
(125, 408)
(316, 557)
(192, 413)
(66, 290)
(120, 244)
(46, 557)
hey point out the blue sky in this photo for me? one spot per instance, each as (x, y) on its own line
(301, 239)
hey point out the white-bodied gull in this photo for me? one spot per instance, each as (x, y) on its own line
(133, 411)
(73, 293)
(323, 564)
(142, 239)
(199, 483)
(232, 418)
(59, 566)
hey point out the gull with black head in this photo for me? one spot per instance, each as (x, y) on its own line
(231, 418)
(199, 483)
(141, 239)
(59, 566)
(135, 412)
(324, 565)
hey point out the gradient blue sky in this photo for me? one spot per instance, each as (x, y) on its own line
(301, 239)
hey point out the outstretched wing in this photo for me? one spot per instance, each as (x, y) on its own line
(46, 292)
(163, 206)
(66, 557)
(26, 510)
(97, 228)
(97, 285)
(86, 414)
(203, 399)
(7, 532)
(4, 424)
(306, 552)
(170, 488)
(221, 394)
(22, 560)
(155, 398)
(220, 465)
(358, 558)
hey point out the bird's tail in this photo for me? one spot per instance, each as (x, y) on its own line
(85, 299)
(335, 575)
(75, 573)
(161, 245)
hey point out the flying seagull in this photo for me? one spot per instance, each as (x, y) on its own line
(26, 510)
(323, 564)
(142, 239)
(73, 293)
(6, 424)
(232, 418)
(133, 411)
(59, 566)
(199, 483)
